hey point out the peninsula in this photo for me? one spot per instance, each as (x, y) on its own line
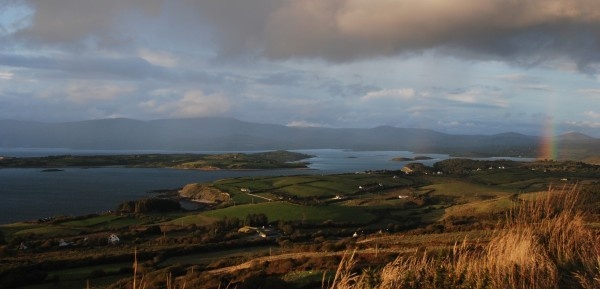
(228, 161)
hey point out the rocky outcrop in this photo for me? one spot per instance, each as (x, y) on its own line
(203, 193)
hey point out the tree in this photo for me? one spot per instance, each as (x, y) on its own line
(150, 205)
(256, 220)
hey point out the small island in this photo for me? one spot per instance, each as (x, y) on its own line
(227, 161)
(52, 170)
(417, 158)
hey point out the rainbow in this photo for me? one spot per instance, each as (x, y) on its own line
(547, 149)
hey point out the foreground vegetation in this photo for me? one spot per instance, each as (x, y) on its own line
(458, 224)
(543, 243)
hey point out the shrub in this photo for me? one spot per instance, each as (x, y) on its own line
(97, 273)
(150, 205)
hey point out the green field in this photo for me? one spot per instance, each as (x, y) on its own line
(54, 231)
(283, 211)
(308, 186)
(312, 216)
(93, 221)
(464, 189)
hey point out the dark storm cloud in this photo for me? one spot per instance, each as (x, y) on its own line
(72, 21)
(526, 33)
(238, 26)
(523, 32)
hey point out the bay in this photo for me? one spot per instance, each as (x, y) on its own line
(30, 194)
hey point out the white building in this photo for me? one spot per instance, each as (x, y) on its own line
(113, 239)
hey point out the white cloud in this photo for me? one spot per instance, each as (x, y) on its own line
(149, 104)
(524, 81)
(591, 92)
(6, 75)
(592, 114)
(165, 92)
(284, 57)
(476, 97)
(465, 97)
(193, 103)
(584, 124)
(304, 123)
(390, 94)
(455, 123)
(540, 87)
(514, 77)
(86, 91)
(159, 58)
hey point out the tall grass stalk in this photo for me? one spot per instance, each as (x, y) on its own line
(135, 267)
(345, 277)
(543, 243)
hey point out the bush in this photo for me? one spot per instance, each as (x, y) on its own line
(256, 220)
(150, 205)
(21, 277)
(97, 274)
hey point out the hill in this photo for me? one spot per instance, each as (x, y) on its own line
(226, 134)
(534, 224)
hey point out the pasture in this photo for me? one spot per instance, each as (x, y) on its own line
(291, 212)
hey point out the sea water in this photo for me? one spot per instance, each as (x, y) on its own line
(32, 193)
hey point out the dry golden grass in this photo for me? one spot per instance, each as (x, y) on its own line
(544, 243)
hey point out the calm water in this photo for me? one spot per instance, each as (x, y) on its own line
(28, 194)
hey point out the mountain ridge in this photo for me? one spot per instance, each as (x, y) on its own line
(230, 134)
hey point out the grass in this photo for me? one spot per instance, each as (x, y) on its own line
(208, 257)
(306, 186)
(82, 273)
(49, 231)
(289, 212)
(91, 222)
(305, 278)
(544, 243)
(286, 181)
(506, 177)
(458, 188)
(496, 205)
(254, 184)
(123, 223)
(447, 239)
(69, 228)
(198, 219)
(304, 191)
(102, 282)
(540, 239)
(247, 199)
(12, 229)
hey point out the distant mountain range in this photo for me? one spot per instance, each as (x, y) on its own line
(234, 135)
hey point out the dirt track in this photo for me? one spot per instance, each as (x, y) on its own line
(261, 260)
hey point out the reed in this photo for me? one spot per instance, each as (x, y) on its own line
(543, 243)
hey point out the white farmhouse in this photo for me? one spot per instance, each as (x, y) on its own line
(113, 239)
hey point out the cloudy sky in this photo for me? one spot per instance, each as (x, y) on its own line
(469, 66)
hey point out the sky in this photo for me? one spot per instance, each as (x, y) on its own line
(460, 67)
